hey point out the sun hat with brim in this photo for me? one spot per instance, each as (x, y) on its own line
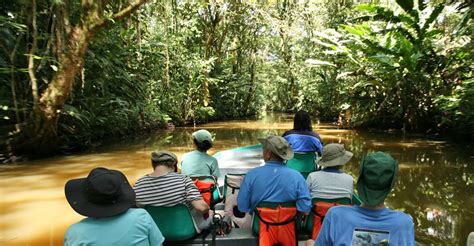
(334, 154)
(103, 193)
(279, 146)
(202, 135)
(163, 156)
(377, 176)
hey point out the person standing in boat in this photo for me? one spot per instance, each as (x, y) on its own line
(106, 198)
(331, 182)
(198, 163)
(302, 138)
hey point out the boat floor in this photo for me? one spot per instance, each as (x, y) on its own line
(236, 237)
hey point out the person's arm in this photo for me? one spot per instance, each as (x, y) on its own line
(411, 233)
(154, 234)
(215, 168)
(243, 198)
(323, 238)
(200, 206)
(194, 197)
(303, 200)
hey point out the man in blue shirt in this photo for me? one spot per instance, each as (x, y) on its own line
(274, 182)
(371, 223)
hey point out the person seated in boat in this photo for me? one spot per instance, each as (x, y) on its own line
(331, 182)
(274, 182)
(370, 223)
(198, 163)
(106, 198)
(166, 188)
(302, 138)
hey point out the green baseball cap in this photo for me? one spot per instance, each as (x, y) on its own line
(377, 176)
(202, 135)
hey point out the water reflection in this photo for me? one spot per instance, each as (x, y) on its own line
(435, 183)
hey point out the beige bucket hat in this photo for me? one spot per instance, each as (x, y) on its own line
(278, 145)
(334, 154)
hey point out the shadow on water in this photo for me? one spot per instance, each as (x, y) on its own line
(435, 183)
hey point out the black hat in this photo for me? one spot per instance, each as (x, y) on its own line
(103, 193)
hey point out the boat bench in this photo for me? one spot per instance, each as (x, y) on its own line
(236, 237)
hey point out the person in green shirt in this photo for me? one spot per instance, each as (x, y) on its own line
(198, 163)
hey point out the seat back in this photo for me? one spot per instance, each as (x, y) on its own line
(276, 223)
(232, 184)
(175, 223)
(303, 163)
(207, 186)
(318, 212)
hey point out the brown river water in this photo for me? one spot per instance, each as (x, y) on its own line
(435, 184)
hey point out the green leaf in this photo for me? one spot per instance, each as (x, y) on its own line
(406, 5)
(432, 17)
(353, 30)
(367, 7)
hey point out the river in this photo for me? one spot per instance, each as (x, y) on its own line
(435, 184)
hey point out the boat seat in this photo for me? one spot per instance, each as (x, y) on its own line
(276, 223)
(175, 223)
(305, 163)
(320, 207)
(215, 196)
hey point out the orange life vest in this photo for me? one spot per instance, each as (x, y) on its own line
(277, 226)
(205, 188)
(320, 210)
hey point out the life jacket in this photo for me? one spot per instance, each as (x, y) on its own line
(206, 188)
(232, 184)
(319, 211)
(277, 226)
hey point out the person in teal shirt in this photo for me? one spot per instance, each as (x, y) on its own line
(198, 163)
(106, 198)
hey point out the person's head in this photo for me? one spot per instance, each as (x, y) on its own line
(377, 176)
(334, 155)
(203, 140)
(302, 121)
(276, 148)
(103, 193)
(163, 158)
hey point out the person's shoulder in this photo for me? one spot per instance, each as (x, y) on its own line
(287, 133)
(401, 217)
(343, 209)
(136, 213)
(293, 174)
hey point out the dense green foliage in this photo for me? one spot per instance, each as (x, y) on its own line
(404, 66)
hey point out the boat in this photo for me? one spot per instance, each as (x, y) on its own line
(237, 161)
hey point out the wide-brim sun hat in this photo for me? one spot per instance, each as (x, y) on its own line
(202, 135)
(279, 146)
(377, 177)
(103, 193)
(334, 154)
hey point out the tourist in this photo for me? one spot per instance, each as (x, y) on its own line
(331, 182)
(274, 182)
(198, 163)
(166, 188)
(106, 198)
(371, 223)
(302, 138)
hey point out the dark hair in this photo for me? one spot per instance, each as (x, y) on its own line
(302, 121)
(203, 146)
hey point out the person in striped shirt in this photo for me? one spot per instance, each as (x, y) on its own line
(166, 188)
